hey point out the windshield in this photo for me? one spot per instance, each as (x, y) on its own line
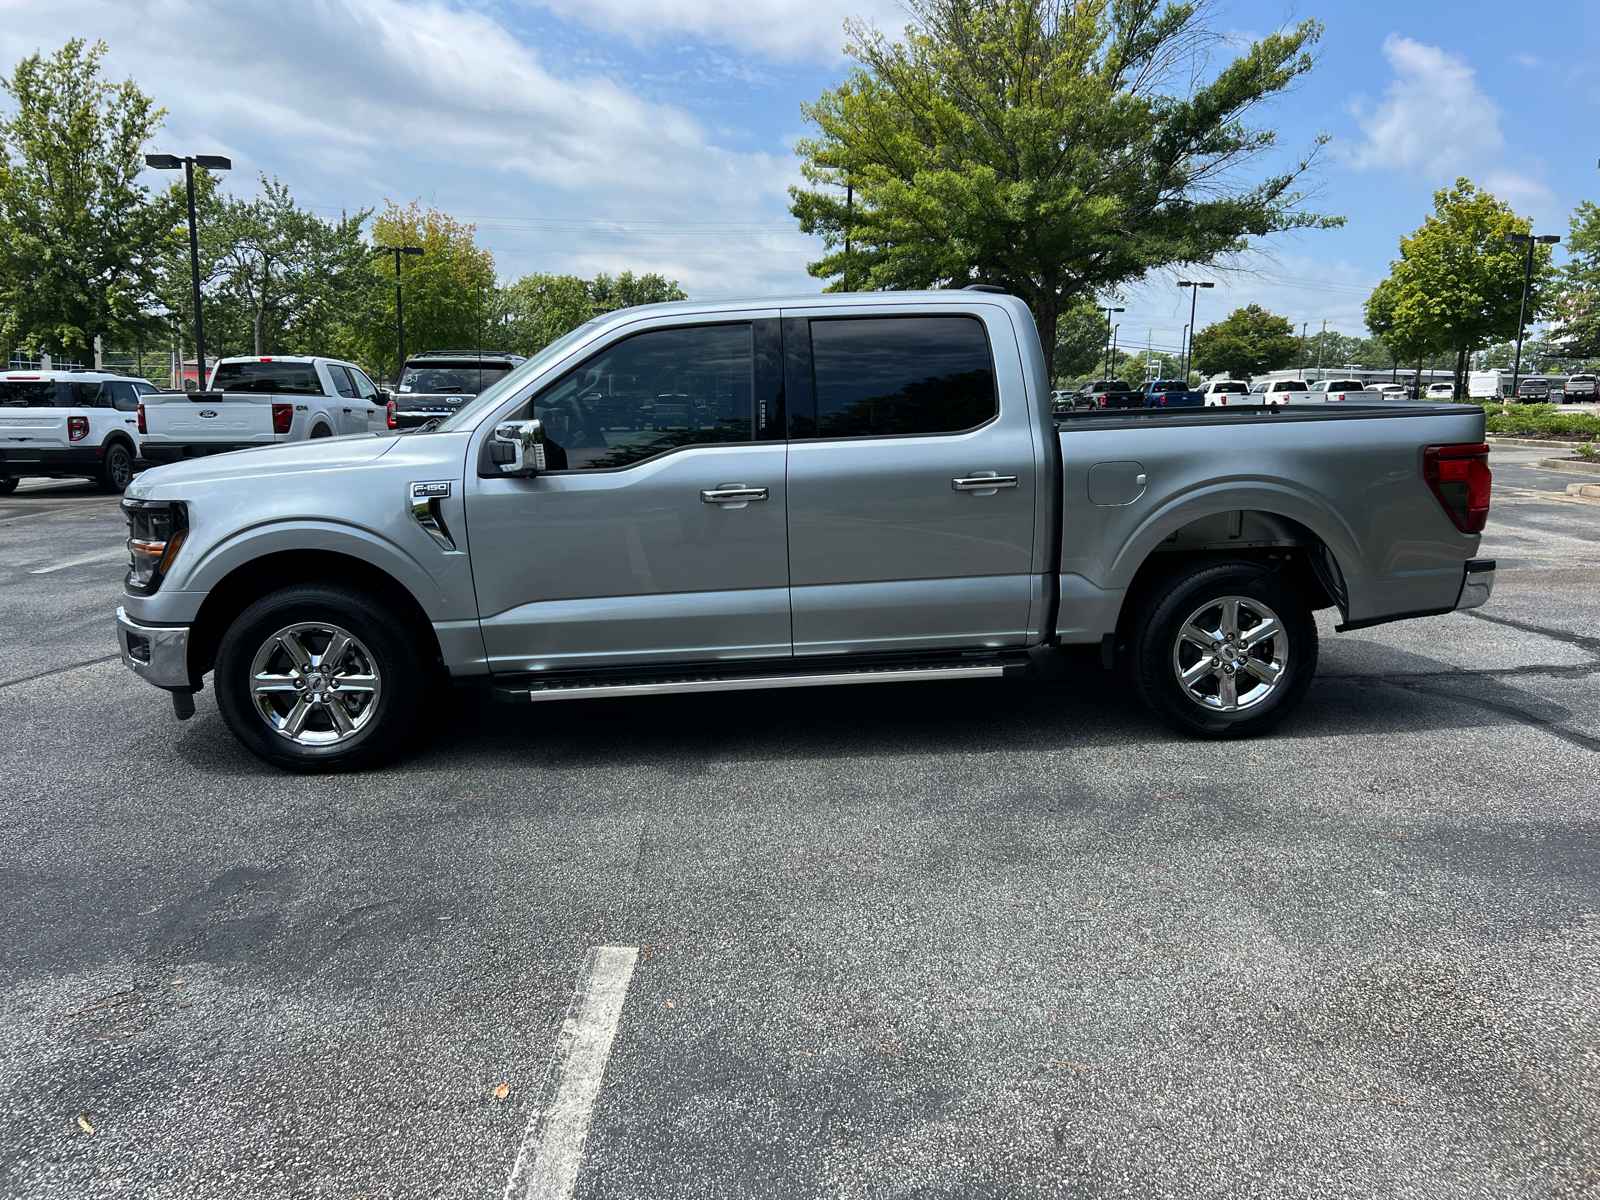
(467, 415)
(462, 379)
(293, 378)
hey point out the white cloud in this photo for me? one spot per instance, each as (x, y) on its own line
(780, 29)
(1433, 115)
(352, 101)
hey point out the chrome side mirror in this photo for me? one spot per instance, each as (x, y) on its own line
(517, 448)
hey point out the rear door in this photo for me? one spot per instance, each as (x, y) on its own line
(657, 532)
(896, 544)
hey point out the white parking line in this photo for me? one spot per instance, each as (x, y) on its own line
(103, 556)
(552, 1148)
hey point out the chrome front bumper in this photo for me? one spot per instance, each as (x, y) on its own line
(156, 654)
(1477, 585)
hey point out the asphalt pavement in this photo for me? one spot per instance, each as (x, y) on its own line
(998, 938)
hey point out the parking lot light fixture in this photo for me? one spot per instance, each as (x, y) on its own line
(211, 162)
(1108, 312)
(1518, 239)
(399, 312)
(1194, 291)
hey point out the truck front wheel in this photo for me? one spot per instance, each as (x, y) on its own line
(319, 677)
(1226, 650)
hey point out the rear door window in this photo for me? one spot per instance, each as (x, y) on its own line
(341, 380)
(124, 396)
(289, 378)
(879, 376)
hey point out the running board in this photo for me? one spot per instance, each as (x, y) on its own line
(583, 689)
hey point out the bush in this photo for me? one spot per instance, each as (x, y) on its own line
(1542, 420)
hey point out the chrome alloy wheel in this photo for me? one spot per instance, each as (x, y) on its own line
(315, 684)
(1230, 654)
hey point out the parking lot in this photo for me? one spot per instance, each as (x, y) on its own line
(993, 938)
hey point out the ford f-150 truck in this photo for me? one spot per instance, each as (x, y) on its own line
(844, 489)
(262, 402)
(1171, 393)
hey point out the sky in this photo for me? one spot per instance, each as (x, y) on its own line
(590, 135)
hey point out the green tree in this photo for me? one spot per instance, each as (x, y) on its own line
(1248, 341)
(449, 291)
(1580, 281)
(1081, 338)
(79, 234)
(628, 290)
(1057, 148)
(537, 309)
(1457, 285)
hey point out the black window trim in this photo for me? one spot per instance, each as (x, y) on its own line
(528, 401)
(810, 361)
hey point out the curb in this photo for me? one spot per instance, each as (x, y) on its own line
(1564, 464)
(1589, 491)
(1532, 443)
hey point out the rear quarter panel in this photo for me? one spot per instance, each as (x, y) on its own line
(1354, 480)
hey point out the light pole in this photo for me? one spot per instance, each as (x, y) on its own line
(211, 162)
(399, 312)
(1108, 312)
(1517, 239)
(1194, 293)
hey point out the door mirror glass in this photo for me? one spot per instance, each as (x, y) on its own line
(517, 448)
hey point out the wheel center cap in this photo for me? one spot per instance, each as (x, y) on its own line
(315, 683)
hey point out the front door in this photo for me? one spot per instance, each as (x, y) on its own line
(657, 532)
(896, 541)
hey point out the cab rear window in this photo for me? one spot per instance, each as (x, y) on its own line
(291, 378)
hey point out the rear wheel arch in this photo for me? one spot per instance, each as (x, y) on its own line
(1257, 536)
(247, 583)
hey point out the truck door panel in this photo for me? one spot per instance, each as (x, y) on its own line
(894, 544)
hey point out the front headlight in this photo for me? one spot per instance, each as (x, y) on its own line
(156, 530)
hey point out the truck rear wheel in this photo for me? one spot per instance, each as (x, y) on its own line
(116, 468)
(319, 677)
(1226, 650)
(8, 484)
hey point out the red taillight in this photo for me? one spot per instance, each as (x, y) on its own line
(393, 422)
(142, 428)
(282, 416)
(1460, 478)
(77, 428)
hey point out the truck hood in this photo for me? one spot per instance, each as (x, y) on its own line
(324, 454)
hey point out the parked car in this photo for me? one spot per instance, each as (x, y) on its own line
(1280, 391)
(64, 423)
(1218, 391)
(1533, 391)
(1390, 391)
(1171, 393)
(1488, 385)
(1335, 390)
(858, 488)
(1580, 389)
(435, 384)
(1441, 391)
(262, 401)
(1112, 393)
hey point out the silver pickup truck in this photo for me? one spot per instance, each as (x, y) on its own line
(827, 490)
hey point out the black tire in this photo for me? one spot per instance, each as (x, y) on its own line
(321, 431)
(384, 651)
(8, 484)
(116, 468)
(1159, 650)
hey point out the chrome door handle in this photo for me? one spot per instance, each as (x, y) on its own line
(973, 483)
(732, 495)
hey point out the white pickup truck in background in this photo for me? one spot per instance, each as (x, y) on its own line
(260, 402)
(61, 423)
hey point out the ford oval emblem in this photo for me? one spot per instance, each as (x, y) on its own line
(208, 412)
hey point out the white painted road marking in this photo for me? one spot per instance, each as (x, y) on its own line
(552, 1148)
(103, 556)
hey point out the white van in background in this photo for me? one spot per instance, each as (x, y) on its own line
(1488, 385)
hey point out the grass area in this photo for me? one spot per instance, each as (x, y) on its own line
(1540, 420)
